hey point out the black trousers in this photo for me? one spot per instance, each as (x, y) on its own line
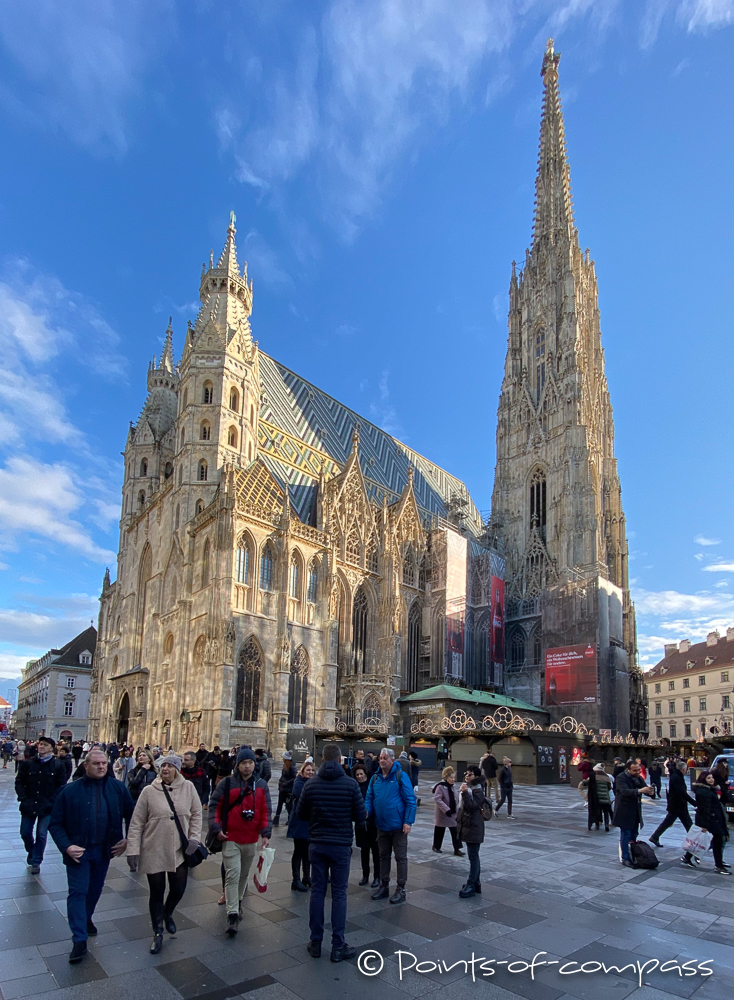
(438, 835)
(717, 848)
(505, 795)
(176, 889)
(283, 800)
(300, 858)
(670, 819)
(373, 850)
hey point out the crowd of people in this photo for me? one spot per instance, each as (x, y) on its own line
(100, 802)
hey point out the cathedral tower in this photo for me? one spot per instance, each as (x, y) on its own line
(556, 504)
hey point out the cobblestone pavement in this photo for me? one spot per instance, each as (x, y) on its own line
(548, 886)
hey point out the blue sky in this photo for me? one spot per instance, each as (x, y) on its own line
(380, 158)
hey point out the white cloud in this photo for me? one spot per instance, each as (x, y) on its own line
(668, 602)
(700, 15)
(719, 568)
(80, 65)
(383, 412)
(702, 540)
(39, 499)
(11, 664)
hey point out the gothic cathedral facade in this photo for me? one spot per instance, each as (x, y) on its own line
(557, 503)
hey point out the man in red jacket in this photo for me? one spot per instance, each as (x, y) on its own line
(239, 814)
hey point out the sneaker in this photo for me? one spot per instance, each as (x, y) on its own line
(78, 952)
(437, 850)
(231, 924)
(723, 870)
(34, 869)
(314, 949)
(685, 863)
(91, 929)
(382, 893)
(340, 954)
(398, 896)
(510, 816)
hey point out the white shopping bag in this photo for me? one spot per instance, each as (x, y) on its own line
(697, 841)
(267, 854)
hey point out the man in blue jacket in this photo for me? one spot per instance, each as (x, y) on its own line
(391, 801)
(330, 802)
(86, 825)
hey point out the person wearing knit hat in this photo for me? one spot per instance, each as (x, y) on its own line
(239, 814)
(155, 846)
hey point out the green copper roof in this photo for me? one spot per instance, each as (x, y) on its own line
(445, 692)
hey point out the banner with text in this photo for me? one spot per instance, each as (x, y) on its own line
(570, 675)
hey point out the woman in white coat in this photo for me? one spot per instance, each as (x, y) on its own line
(154, 845)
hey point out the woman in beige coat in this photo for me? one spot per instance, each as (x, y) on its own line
(154, 845)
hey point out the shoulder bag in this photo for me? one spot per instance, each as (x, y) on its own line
(201, 853)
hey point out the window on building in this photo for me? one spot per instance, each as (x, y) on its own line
(724, 676)
(203, 471)
(141, 498)
(657, 689)
(232, 437)
(539, 364)
(671, 685)
(686, 729)
(702, 705)
(266, 567)
(205, 559)
(144, 467)
(68, 708)
(409, 568)
(686, 704)
(658, 708)
(672, 730)
(249, 669)
(298, 687)
(313, 583)
(168, 470)
(205, 431)
(243, 562)
(725, 703)
(671, 707)
(702, 680)
(359, 632)
(71, 681)
(537, 502)
(293, 577)
(658, 731)
(207, 395)
(517, 648)
(85, 658)
(234, 400)
(686, 682)
(199, 506)
(185, 398)
(353, 547)
(183, 436)
(372, 563)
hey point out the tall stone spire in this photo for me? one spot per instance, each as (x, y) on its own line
(553, 207)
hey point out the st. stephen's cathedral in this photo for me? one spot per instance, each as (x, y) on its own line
(284, 564)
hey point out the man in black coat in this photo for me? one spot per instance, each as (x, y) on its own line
(630, 788)
(87, 827)
(678, 799)
(285, 786)
(330, 803)
(37, 783)
(489, 767)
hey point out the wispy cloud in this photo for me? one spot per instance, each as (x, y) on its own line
(669, 616)
(77, 67)
(722, 567)
(702, 540)
(382, 410)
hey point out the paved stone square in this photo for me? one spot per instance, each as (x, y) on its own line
(548, 886)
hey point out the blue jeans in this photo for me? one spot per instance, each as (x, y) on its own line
(86, 881)
(475, 868)
(328, 859)
(35, 848)
(625, 836)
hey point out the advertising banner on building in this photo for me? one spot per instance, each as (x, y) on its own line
(456, 554)
(497, 635)
(570, 675)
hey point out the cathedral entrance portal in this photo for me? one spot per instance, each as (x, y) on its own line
(123, 719)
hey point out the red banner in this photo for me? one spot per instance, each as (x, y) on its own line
(570, 675)
(497, 606)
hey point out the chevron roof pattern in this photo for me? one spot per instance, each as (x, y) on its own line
(302, 427)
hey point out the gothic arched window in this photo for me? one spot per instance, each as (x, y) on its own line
(414, 645)
(249, 669)
(354, 546)
(372, 555)
(298, 687)
(234, 400)
(372, 708)
(207, 395)
(243, 561)
(359, 632)
(313, 582)
(205, 431)
(232, 437)
(409, 568)
(144, 467)
(517, 648)
(349, 711)
(185, 399)
(203, 471)
(141, 498)
(205, 565)
(168, 470)
(199, 506)
(266, 567)
(537, 502)
(294, 577)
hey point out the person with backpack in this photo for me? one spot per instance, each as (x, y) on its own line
(506, 786)
(470, 826)
(263, 769)
(628, 808)
(239, 815)
(39, 780)
(391, 801)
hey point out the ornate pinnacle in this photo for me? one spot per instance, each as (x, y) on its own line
(355, 438)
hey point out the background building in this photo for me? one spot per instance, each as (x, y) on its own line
(53, 695)
(690, 690)
(557, 505)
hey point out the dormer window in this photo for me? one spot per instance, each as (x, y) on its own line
(85, 659)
